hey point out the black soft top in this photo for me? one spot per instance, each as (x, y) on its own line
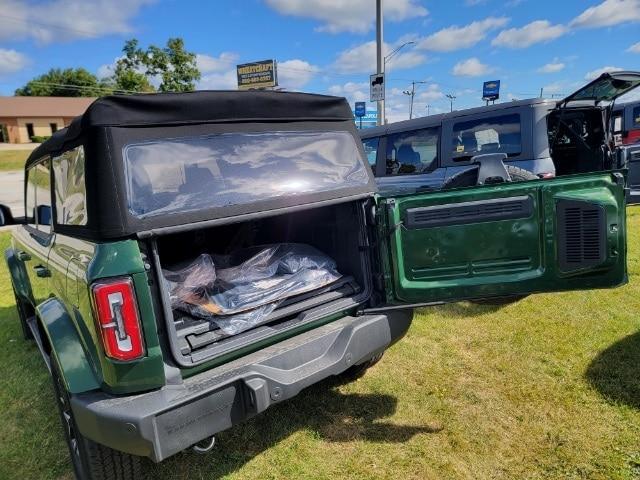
(199, 107)
(112, 123)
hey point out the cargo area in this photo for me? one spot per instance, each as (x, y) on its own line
(335, 232)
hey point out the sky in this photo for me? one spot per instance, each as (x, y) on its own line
(328, 46)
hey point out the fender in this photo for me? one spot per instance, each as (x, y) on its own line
(19, 277)
(66, 347)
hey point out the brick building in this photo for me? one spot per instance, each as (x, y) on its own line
(24, 117)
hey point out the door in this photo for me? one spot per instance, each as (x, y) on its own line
(633, 175)
(566, 233)
(33, 240)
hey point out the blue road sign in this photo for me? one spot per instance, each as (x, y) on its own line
(491, 90)
(361, 109)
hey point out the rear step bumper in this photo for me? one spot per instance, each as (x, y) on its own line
(161, 423)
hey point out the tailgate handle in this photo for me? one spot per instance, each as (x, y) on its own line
(42, 271)
(23, 256)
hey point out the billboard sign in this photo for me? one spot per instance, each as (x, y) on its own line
(262, 74)
(370, 119)
(377, 87)
(361, 109)
(491, 90)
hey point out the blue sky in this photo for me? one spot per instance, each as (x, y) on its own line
(327, 46)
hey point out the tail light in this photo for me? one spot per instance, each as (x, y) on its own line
(117, 315)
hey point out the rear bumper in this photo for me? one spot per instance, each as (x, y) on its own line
(161, 423)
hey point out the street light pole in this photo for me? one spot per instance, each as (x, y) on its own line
(451, 98)
(384, 67)
(379, 59)
(412, 94)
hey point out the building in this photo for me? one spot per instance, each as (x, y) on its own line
(24, 117)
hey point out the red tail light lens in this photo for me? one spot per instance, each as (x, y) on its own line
(118, 321)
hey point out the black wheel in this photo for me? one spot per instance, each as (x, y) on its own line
(468, 178)
(92, 461)
(23, 316)
(357, 371)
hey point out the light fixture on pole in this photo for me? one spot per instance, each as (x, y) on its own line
(384, 69)
(412, 94)
(451, 98)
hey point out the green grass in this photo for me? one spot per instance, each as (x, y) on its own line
(548, 388)
(13, 159)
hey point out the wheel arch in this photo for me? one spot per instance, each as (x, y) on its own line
(66, 347)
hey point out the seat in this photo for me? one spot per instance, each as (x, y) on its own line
(408, 159)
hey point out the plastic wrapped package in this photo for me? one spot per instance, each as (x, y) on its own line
(238, 291)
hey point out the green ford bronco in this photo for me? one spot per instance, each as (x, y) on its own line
(188, 260)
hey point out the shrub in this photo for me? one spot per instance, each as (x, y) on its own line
(40, 138)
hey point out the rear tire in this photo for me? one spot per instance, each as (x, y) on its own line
(90, 460)
(469, 178)
(357, 371)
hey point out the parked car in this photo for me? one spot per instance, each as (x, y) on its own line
(134, 207)
(626, 130)
(542, 137)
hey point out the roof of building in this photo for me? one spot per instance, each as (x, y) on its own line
(44, 106)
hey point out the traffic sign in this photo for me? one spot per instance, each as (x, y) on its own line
(361, 109)
(377, 87)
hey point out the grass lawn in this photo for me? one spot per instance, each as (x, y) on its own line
(13, 159)
(548, 388)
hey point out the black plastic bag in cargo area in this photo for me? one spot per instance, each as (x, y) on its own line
(238, 291)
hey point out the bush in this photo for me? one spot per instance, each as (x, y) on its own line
(40, 138)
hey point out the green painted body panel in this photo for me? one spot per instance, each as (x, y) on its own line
(75, 264)
(480, 259)
(79, 376)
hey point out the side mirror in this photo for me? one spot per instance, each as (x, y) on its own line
(43, 213)
(6, 217)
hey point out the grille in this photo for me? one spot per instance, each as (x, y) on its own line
(581, 232)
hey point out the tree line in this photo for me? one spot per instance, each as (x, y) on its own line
(163, 69)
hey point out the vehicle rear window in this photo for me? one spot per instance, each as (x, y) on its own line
(193, 173)
(371, 150)
(499, 134)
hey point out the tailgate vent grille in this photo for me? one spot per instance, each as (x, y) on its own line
(581, 235)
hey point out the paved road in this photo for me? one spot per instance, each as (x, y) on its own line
(12, 191)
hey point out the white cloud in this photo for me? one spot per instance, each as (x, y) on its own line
(355, 16)
(207, 63)
(219, 81)
(352, 91)
(295, 74)
(635, 48)
(552, 67)
(64, 20)
(12, 61)
(472, 67)
(534, 32)
(430, 93)
(456, 38)
(608, 13)
(362, 59)
(592, 75)
(555, 87)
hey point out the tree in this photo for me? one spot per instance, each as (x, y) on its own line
(70, 82)
(174, 66)
(129, 74)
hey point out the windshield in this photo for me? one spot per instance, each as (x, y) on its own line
(193, 173)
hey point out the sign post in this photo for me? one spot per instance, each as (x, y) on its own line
(360, 111)
(262, 74)
(491, 90)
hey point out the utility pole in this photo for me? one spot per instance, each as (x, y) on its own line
(379, 59)
(451, 98)
(412, 94)
(428, 107)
